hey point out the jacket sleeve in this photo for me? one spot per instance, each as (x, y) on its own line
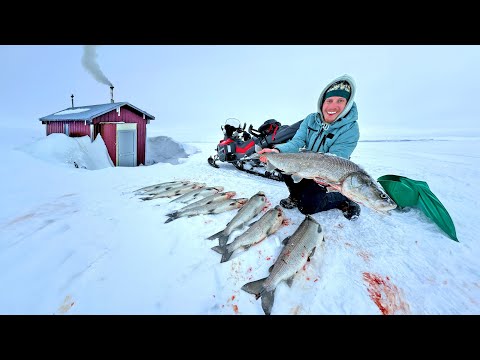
(298, 141)
(346, 142)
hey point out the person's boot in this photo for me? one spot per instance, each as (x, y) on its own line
(289, 203)
(350, 209)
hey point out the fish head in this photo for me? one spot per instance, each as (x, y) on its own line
(279, 210)
(261, 195)
(230, 194)
(363, 189)
(240, 202)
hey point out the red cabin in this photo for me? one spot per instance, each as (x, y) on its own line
(123, 128)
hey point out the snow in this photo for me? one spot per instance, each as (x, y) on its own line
(77, 240)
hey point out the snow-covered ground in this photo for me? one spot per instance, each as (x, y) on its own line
(77, 240)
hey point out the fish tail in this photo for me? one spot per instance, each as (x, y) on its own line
(214, 236)
(222, 240)
(218, 249)
(267, 301)
(254, 287)
(171, 218)
(226, 255)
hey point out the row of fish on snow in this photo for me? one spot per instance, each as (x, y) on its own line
(333, 171)
(201, 199)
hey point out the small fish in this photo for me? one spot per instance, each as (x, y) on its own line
(259, 230)
(198, 194)
(298, 249)
(212, 208)
(171, 192)
(162, 186)
(251, 209)
(166, 188)
(208, 200)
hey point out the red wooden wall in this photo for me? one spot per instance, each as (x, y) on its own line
(127, 116)
(75, 128)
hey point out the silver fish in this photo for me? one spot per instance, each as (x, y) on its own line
(198, 194)
(298, 249)
(208, 200)
(175, 191)
(341, 174)
(251, 209)
(162, 186)
(165, 188)
(259, 230)
(212, 208)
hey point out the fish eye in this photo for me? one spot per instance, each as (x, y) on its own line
(383, 196)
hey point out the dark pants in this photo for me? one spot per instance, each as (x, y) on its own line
(311, 197)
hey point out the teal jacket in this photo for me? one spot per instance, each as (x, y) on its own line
(339, 138)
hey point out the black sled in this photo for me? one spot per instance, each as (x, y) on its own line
(238, 144)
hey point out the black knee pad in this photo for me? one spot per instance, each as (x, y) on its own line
(305, 210)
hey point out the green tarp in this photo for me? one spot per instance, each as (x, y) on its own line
(415, 193)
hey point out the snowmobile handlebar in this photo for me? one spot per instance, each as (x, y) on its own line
(253, 131)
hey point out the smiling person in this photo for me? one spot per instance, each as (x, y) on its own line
(333, 129)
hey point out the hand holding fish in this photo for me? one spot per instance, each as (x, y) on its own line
(266, 150)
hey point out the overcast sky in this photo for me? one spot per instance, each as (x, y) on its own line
(192, 89)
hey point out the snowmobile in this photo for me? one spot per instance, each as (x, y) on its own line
(238, 144)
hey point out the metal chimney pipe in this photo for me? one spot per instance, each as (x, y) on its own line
(111, 93)
(72, 100)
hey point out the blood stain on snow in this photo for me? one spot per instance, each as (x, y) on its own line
(387, 297)
(364, 255)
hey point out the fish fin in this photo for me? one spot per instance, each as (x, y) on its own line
(290, 281)
(285, 241)
(270, 268)
(172, 214)
(270, 166)
(226, 255)
(296, 178)
(311, 254)
(216, 235)
(305, 150)
(254, 287)
(267, 301)
(219, 249)
(211, 211)
(146, 198)
(171, 219)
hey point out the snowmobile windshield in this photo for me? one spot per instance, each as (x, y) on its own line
(233, 122)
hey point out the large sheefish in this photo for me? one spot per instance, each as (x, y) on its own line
(339, 174)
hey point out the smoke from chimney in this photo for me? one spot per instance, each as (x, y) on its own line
(89, 62)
